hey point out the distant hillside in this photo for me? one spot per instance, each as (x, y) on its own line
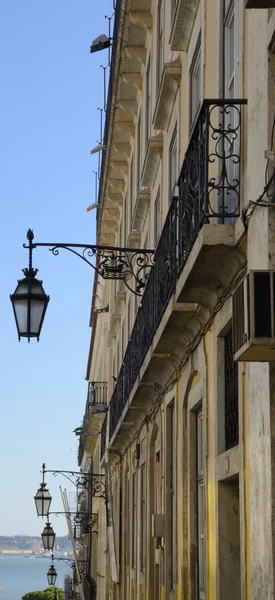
(25, 542)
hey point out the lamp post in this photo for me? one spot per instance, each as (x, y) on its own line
(30, 301)
(42, 497)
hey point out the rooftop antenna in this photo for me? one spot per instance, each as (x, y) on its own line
(101, 124)
(104, 88)
(100, 142)
(109, 34)
(95, 173)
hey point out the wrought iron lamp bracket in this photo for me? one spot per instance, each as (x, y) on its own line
(130, 265)
(94, 483)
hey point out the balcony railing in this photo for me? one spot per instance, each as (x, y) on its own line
(209, 188)
(89, 587)
(209, 182)
(97, 393)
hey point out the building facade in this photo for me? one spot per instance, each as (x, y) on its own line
(186, 445)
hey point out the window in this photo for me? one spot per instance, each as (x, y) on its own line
(173, 8)
(172, 499)
(231, 397)
(125, 219)
(195, 82)
(114, 371)
(173, 164)
(117, 360)
(157, 218)
(159, 49)
(148, 102)
(134, 517)
(129, 317)
(128, 523)
(142, 517)
(230, 148)
(138, 152)
(229, 49)
(122, 339)
(200, 507)
(131, 191)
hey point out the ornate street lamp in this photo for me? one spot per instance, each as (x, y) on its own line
(48, 537)
(52, 574)
(29, 301)
(42, 498)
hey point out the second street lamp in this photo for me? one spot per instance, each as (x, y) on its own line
(48, 537)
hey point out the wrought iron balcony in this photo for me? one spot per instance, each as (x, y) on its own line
(97, 393)
(89, 587)
(209, 190)
(209, 182)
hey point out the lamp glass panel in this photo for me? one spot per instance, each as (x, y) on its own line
(37, 310)
(21, 312)
(42, 502)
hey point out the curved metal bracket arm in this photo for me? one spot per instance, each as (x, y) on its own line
(130, 265)
(93, 482)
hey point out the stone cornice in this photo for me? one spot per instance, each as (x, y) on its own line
(151, 161)
(141, 208)
(169, 84)
(183, 23)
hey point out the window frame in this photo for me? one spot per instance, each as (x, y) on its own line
(200, 505)
(148, 102)
(159, 42)
(139, 148)
(157, 217)
(173, 163)
(195, 75)
(134, 520)
(143, 517)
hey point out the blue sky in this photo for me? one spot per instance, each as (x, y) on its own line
(51, 87)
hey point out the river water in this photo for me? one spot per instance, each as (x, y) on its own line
(19, 575)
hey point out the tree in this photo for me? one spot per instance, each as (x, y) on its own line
(48, 594)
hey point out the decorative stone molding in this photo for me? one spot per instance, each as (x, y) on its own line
(144, 5)
(142, 18)
(128, 106)
(114, 197)
(133, 79)
(151, 161)
(120, 165)
(141, 209)
(134, 239)
(137, 52)
(183, 23)
(126, 127)
(122, 148)
(168, 88)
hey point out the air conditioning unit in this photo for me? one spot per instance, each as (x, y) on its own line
(254, 317)
(260, 4)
